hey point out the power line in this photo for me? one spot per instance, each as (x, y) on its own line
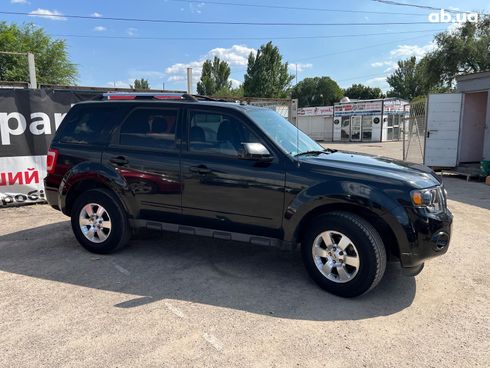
(356, 49)
(426, 7)
(240, 23)
(241, 38)
(282, 7)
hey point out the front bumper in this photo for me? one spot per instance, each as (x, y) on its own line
(431, 235)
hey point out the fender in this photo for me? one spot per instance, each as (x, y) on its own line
(101, 174)
(347, 194)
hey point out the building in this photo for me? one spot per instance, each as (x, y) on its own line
(369, 120)
(458, 124)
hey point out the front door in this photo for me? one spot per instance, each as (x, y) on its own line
(222, 190)
(146, 153)
(355, 128)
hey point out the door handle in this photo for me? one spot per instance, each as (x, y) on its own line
(201, 169)
(119, 160)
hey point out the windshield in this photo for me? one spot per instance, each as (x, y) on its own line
(285, 134)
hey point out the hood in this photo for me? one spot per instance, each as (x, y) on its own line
(419, 176)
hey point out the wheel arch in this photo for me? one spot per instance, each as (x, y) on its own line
(85, 177)
(382, 227)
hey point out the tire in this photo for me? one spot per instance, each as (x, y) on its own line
(355, 260)
(114, 231)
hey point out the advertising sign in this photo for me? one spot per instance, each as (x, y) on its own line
(28, 120)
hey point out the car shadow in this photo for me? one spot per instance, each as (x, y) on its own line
(226, 274)
(472, 193)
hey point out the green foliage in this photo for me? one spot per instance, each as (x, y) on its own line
(465, 50)
(52, 62)
(214, 78)
(362, 92)
(318, 91)
(230, 92)
(266, 75)
(141, 84)
(408, 81)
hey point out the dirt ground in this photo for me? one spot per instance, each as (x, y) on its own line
(387, 149)
(181, 301)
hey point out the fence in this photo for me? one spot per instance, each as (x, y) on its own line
(414, 128)
(285, 107)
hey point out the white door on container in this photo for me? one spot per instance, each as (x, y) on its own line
(442, 132)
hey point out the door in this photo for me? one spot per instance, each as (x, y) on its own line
(355, 128)
(442, 133)
(146, 153)
(223, 191)
(367, 128)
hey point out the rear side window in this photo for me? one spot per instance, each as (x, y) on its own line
(150, 128)
(91, 124)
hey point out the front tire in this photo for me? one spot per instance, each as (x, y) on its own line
(99, 222)
(344, 254)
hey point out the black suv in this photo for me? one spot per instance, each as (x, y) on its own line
(239, 172)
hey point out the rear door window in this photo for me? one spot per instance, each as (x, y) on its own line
(150, 128)
(91, 123)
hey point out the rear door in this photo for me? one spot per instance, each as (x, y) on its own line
(442, 133)
(223, 191)
(146, 152)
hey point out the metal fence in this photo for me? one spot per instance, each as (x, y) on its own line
(414, 128)
(285, 107)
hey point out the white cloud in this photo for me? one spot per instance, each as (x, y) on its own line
(19, 2)
(49, 14)
(235, 83)
(118, 84)
(379, 82)
(132, 31)
(196, 8)
(301, 67)
(100, 29)
(96, 15)
(406, 51)
(237, 55)
(399, 53)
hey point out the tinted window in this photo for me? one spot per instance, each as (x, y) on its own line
(151, 128)
(218, 134)
(90, 123)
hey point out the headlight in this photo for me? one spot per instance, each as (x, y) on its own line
(431, 199)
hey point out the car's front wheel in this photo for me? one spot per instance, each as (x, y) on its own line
(99, 221)
(344, 254)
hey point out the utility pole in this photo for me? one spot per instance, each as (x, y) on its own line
(32, 70)
(189, 81)
(31, 66)
(296, 72)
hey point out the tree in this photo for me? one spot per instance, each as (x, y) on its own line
(464, 50)
(53, 65)
(408, 81)
(214, 77)
(362, 92)
(266, 75)
(318, 91)
(140, 84)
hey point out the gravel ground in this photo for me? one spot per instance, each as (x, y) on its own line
(182, 301)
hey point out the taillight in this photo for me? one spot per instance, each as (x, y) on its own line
(51, 160)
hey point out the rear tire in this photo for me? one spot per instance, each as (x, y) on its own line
(355, 260)
(99, 221)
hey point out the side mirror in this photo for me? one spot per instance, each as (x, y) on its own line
(256, 151)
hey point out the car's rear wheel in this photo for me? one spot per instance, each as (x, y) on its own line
(99, 222)
(344, 254)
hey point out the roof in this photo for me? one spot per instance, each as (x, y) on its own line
(232, 105)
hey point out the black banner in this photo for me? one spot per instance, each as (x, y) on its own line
(28, 120)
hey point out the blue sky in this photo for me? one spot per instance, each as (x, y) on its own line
(366, 58)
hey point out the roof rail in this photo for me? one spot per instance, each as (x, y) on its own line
(155, 96)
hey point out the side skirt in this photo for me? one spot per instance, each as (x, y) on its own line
(211, 233)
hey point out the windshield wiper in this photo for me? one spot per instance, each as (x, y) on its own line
(315, 152)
